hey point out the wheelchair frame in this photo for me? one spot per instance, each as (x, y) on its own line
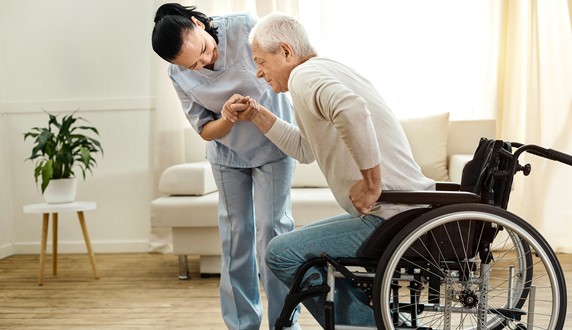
(463, 262)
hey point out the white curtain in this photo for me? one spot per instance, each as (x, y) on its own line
(533, 100)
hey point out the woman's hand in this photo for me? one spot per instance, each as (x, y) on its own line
(240, 108)
(228, 112)
(248, 110)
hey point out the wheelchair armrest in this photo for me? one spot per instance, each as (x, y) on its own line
(447, 186)
(428, 197)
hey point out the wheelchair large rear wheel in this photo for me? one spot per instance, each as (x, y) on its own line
(469, 266)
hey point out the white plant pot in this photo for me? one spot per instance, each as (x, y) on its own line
(60, 191)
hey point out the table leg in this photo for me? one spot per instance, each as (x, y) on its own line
(45, 223)
(55, 243)
(87, 243)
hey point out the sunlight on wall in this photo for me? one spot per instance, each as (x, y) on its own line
(425, 57)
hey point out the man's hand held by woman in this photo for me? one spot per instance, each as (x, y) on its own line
(240, 108)
(244, 108)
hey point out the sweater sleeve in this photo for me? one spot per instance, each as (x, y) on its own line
(346, 110)
(288, 138)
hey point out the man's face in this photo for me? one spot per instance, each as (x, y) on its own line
(274, 68)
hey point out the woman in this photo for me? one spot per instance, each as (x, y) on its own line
(212, 60)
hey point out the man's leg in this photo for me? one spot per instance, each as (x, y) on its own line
(338, 237)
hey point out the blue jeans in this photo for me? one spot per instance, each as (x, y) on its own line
(254, 207)
(339, 236)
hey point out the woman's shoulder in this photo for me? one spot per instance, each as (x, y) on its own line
(237, 20)
(233, 31)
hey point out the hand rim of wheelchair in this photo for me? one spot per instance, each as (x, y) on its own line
(480, 212)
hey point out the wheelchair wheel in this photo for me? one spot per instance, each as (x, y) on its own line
(469, 266)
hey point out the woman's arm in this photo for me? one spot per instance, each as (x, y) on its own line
(216, 129)
(203, 121)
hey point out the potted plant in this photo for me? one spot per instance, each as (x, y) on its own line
(59, 148)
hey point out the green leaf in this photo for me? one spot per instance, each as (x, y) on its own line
(47, 174)
(62, 146)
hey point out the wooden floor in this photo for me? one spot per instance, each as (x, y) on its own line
(135, 291)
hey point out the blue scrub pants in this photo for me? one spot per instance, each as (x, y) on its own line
(339, 236)
(254, 207)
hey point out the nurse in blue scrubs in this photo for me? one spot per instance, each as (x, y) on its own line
(210, 61)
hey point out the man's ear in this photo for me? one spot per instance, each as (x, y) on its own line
(286, 51)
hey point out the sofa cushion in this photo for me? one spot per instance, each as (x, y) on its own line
(308, 176)
(428, 139)
(308, 205)
(185, 211)
(456, 165)
(195, 179)
(312, 204)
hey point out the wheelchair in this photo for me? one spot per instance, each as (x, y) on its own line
(458, 261)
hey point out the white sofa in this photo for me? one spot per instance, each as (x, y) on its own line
(189, 206)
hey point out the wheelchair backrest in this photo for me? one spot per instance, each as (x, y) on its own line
(489, 174)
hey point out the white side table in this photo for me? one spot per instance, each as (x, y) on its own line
(54, 209)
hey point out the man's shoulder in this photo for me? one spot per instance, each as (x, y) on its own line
(313, 69)
(316, 64)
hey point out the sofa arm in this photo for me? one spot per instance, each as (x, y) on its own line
(456, 165)
(195, 179)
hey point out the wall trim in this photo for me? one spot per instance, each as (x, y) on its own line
(135, 103)
(6, 250)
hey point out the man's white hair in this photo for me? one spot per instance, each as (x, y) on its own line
(277, 28)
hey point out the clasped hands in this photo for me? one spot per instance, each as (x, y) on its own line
(240, 108)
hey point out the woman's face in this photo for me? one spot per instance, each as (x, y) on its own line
(199, 49)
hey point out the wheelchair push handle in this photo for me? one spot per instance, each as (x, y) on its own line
(560, 156)
(544, 152)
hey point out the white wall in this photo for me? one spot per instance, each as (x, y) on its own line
(6, 247)
(95, 56)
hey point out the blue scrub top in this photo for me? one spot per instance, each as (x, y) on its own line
(203, 93)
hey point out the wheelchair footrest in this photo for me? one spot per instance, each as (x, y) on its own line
(293, 299)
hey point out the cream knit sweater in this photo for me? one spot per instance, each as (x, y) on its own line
(344, 124)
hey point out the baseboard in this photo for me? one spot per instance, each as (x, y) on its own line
(6, 250)
(79, 247)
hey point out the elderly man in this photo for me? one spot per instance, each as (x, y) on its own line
(344, 125)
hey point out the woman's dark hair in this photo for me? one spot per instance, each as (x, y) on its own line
(172, 21)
